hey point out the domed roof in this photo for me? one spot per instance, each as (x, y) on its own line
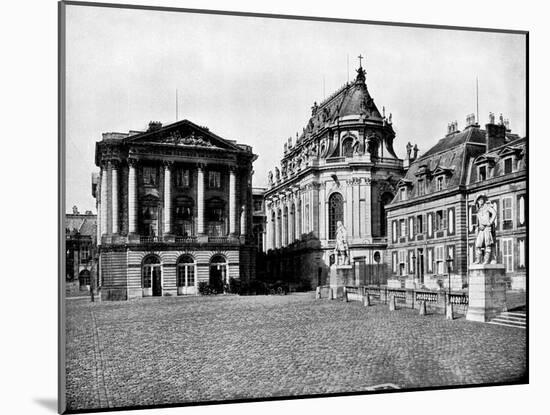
(356, 99)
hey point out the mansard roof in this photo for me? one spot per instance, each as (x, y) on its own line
(84, 225)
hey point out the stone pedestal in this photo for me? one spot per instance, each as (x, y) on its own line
(486, 291)
(340, 276)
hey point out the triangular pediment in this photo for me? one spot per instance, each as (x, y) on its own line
(183, 134)
(509, 150)
(443, 170)
(484, 158)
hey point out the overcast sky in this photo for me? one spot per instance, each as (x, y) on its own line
(254, 80)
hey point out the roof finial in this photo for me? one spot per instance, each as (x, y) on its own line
(360, 57)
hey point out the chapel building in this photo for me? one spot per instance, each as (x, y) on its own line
(342, 168)
(175, 210)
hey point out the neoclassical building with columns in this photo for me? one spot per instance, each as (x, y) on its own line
(175, 209)
(342, 167)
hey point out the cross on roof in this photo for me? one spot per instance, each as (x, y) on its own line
(360, 57)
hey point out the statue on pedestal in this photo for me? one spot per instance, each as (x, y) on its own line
(341, 249)
(486, 235)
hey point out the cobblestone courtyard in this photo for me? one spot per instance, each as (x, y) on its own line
(176, 350)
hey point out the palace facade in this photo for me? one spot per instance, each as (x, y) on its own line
(175, 209)
(433, 217)
(342, 167)
(81, 250)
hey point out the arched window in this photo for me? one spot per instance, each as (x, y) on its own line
(335, 213)
(384, 200)
(184, 216)
(185, 272)
(347, 147)
(215, 216)
(151, 276)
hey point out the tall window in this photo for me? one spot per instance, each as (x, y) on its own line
(215, 216)
(394, 262)
(186, 271)
(150, 176)
(335, 213)
(473, 218)
(440, 259)
(411, 262)
(508, 254)
(402, 261)
(419, 224)
(430, 260)
(214, 179)
(84, 253)
(183, 177)
(184, 216)
(507, 213)
(394, 231)
(420, 187)
(439, 183)
(451, 220)
(292, 219)
(411, 227)
(521, 210)
(403, 193)
(508, 165)
(273, 231)
(481, 173)
(402, 228)
(285, 226)
(439, 220)
(521, 253)
(307, 218)
(150, 268)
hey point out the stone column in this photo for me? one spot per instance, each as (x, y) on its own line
(297, 219)
(368, 218)
(243, 220)
(355, 207)
(268, 230)
(200, 199)
(167, 197)
(98, 226)
(322, 213)
(132, 196)
(103, 199)
(277, 228)
(114, 197)
(290, 221)
(232, 202)
(348, 213)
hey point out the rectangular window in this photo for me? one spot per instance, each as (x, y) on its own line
(451, 255)
(507, 213)
(521, 253)
(440, 222)
(430, 224)
(402, 262)
(521, 210)
(182, 178)
(307, 219)
(508, 165)
(394, 231)
(394, 262)
(450, 221)
(508, 254)
(440, 259)
(411, 227)
(402, 228)
(150, 176)
(214, 179)
(411, 262)
(84, 254)
(481, 173)
(430, 260)
(419, 226)
(403, 193)
(439, 183)
(421, 190)
(473, 218)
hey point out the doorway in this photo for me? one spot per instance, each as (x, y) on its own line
(152, 276)
(218, 274)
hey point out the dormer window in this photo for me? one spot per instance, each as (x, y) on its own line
(421, 187)
(439, 183)
(403, 193)
(481, 173)
(508, 165)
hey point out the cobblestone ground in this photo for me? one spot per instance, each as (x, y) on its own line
(176, 350)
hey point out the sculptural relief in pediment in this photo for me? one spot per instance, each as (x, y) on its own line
(190, 140)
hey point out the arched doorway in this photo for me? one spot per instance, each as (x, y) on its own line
(185, 275)
(151, 276)
(84, 280)
(218, 273)
(335, 213)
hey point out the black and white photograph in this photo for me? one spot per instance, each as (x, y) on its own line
(262, 207)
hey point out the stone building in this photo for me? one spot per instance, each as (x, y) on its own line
(342, 167)
(174, 207)
(432, 217)
(80, 241)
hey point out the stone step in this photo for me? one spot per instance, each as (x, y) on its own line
(507, 325)
(514, 313)
(509, 321)
(516, 318)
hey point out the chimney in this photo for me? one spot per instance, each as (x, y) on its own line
(496, 133)
(154, 126)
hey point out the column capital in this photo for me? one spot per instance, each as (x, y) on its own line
(132, 162)
(115, 163)
(168, 164)
(201, 166)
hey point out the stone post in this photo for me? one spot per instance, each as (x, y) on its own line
(114, 196)
(232, 202)
(200, 200)
(486, 291)
(318, 293)
(366, 300)
(103, 199)
(422, 311)
(132, 196)
(392, 302)
(167, 197)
